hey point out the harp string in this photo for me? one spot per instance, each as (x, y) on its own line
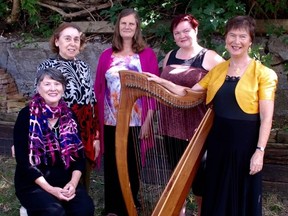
(152, 169)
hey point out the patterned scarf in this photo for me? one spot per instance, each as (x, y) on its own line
(43, 143)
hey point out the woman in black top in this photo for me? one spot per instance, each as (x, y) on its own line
(49, 153)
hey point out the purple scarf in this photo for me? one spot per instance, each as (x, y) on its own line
(43, 143)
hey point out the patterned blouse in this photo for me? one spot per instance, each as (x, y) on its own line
(112, 95)
(79, 79)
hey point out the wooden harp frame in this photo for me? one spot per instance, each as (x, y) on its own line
(133, 86)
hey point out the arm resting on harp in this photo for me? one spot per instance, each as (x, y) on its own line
(174, 88)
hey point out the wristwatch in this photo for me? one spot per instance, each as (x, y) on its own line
(260, 148)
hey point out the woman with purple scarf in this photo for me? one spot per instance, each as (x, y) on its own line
(49, 153)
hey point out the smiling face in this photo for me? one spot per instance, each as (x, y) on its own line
(127, 27)
(51, 91)
(238, 42)
(184, 34)
(68, 43)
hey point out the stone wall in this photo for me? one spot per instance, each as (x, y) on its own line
(20, 59)
(275, 170)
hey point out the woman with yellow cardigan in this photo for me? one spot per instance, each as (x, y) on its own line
(242, 93)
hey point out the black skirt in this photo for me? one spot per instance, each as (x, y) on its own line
(229, 189)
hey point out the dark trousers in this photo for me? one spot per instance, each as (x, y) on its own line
(40, 203)
(114, 202)
(175, 149)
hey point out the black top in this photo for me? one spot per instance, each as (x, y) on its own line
(25, 174)
(196, 61)
(225, 103)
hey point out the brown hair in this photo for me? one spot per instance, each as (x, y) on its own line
(138, 43)
(241, 22)
(57, 32)
(184, 17)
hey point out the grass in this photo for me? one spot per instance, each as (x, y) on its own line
(273, 204)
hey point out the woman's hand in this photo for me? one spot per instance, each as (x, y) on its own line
(63, 194)
(176, 89)
(256, 162)
(153, 77)
(60, 193)
(266, 108)
(96, 147)
(145, 130)
(69, 190)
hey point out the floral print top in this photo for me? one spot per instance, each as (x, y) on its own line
(112, 94)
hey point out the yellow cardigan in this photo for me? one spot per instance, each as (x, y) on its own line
(257, 83)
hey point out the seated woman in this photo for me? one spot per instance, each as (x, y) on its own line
(49, 153)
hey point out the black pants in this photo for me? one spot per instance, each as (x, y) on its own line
(175, 149)
(40, 203)
(114, 202)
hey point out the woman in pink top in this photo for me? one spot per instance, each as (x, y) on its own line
(128, 52)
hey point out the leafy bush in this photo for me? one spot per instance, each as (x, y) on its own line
(4, 8)
(268, 9)
(156, 16)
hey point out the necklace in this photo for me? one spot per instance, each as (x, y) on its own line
(238, 68)
(54, 128)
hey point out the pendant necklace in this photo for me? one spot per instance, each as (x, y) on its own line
(54, 128)
(237, 69)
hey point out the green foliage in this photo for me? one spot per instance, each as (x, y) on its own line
(271, 9)
(274, 30)
(156, 16)
(36, 21)
(32, 9)
(45, 29)
(4, 8)
(112, 13)
(257, 52)
(213, 17)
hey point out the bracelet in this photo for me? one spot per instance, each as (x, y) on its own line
(260, 148)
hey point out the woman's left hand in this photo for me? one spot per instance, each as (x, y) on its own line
(256, 162)
(69, 190)
(144, 132)
(153, 77)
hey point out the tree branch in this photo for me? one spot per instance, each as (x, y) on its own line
(85, 11)
(15, 12)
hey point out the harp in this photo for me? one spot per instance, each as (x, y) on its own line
(133, 86)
